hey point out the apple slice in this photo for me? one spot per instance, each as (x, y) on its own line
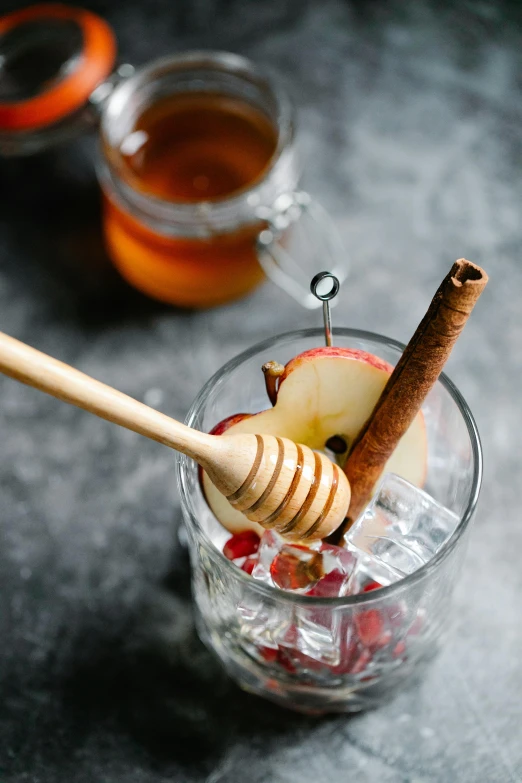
(230, 517)
(323, 392)
(230, 421)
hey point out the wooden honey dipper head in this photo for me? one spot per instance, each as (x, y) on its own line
(273, 481)
(281, 485)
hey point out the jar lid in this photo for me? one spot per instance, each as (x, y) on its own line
(52, 57)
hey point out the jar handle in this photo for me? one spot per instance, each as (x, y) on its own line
(296, 216)
(103, 91)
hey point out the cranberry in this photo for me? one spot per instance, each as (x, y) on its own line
(269, 654)
(370, 628)
(241, 545)
(249, 565)
(371, 586)
(329, 586)
(285, 662)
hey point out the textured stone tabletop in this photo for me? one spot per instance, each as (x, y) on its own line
(410, 119)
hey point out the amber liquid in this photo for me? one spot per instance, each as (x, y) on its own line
(187, 149)
(198, 147)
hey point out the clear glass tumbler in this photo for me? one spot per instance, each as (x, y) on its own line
(368, 645)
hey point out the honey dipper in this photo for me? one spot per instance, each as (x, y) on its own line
(260, 475)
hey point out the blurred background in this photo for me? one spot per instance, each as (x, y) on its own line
(408, 126)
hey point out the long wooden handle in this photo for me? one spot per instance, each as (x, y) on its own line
(36, 369)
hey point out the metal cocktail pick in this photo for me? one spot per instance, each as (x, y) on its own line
(325, 298)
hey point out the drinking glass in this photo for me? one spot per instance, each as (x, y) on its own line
(313, 654)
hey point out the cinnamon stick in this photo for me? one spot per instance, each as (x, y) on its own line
(416, 372)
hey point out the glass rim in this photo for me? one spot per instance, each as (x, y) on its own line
(340, 601)
(226, 62)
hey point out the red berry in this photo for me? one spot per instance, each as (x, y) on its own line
(370, 627)
(269, 654)
(329, 586)
(371, 586)
(285, 662)
(249, 565)
(241, 545)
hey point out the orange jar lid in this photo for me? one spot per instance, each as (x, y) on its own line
(52, 58)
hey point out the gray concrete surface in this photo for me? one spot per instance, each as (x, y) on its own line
(410, 119)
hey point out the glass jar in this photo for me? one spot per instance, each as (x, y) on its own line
(366, 646)
(200, 253)
(57, 77)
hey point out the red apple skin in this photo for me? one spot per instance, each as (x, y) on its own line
(331, 352)
(218, 429)
(225, 424)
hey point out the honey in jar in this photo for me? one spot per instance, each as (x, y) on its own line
(185, 176)
(198, 147)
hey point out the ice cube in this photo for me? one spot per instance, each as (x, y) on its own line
(269, 546)
(320, 570)
(264, 623)
(316, 634)
(319, 629)
(401, 529)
